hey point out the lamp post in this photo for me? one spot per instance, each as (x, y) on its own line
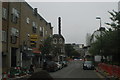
(99, 18)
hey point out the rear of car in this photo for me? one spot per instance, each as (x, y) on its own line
(88, 65)
(59, 66)
(65, 63)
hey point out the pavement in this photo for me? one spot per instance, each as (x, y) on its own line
(101, 72)
(25, 76)
(106, 75)
(38, 69)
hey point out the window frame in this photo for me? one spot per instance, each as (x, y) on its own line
(34, 27)
(27, 20)
(54, 41)
(60, 40)
(4, 13)
(4, 36)
(14, 15)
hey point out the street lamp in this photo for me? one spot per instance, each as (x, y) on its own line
(98, 17)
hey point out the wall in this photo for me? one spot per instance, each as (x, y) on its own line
(5, 43)
(0, 41)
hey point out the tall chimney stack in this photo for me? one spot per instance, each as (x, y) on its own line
(59, 25)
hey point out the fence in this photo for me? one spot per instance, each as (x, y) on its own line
(112, 70)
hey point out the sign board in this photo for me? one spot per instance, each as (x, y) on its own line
(33, 37)
(97, 58)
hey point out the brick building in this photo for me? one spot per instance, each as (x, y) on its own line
(24, 31)
(58, 43)
(4, 34)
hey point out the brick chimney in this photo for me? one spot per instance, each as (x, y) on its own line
(59, 25)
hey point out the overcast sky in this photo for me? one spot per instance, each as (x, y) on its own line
(78, 18)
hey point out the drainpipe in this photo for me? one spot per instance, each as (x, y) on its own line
(20, 57)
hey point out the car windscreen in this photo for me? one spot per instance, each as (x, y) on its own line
(88, 62)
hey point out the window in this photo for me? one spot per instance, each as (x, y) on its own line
(40, 29)
(13, 39)
(4, 13)
(15, 15)
(60, 41)
(43, 31)
(14, 35)
(54, 41)
(33, 24)
(14, 18)
(46, 32)
(35, 11)
(34, 27)
(28, 20)
(14, 32)
(4, 36)
(15, 12)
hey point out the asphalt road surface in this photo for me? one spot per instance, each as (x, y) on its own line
(74, 71)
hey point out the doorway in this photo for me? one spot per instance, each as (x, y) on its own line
(13, 57)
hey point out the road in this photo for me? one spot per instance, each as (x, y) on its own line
(74, 71)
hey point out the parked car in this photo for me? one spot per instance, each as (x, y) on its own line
(88, 65)
(61, 62)
(17, 71)
(59, 65)
(65, 63)
(51, 66)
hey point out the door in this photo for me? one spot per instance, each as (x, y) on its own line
(13, 57)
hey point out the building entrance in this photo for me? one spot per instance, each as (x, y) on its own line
(13, 56)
